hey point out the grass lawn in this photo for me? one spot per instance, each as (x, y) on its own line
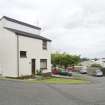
(54, 80)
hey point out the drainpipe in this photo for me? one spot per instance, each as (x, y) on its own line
(18, 55)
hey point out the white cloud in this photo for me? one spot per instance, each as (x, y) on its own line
(75, 26)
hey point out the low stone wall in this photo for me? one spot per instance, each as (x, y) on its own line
(91, 70)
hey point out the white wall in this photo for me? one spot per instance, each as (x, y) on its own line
(34, 51)
(8, 53)
(13, 25)
(8, 50)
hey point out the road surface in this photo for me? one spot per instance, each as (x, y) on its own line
(22, 93)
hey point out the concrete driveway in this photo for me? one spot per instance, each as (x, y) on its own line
(23, 93)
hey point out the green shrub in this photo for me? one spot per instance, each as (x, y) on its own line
(103, 70)
(39, 72)
(96, 65)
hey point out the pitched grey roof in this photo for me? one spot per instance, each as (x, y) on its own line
(22, 33)
(22, 23)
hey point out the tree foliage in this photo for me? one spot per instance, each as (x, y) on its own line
(96, 65)
(64, 59)
(84, 59)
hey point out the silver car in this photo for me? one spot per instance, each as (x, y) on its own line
(99, 73)
(83, 70)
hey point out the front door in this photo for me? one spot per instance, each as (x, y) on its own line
(33, 66)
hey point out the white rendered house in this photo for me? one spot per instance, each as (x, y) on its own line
(22, 50)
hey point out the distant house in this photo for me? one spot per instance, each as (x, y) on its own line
(88, 63)
(22, 50)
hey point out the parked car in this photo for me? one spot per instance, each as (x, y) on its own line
(83, 70)
(99, 73)
(61, 71)
(65, 73)
(55, 71)
(71, 69)
(69, 73)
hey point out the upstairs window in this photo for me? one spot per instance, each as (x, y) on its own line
(43, 64)
(44, 45)
(23, 54)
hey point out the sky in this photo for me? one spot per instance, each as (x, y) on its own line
(74, 26)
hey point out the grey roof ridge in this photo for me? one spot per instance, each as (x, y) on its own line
(22, 33)
(20, 22)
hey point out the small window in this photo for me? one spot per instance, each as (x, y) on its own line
(23, 54)
(43, 64)
(44, 45)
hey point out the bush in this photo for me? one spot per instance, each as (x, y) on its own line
(96, 65)
(39, 72)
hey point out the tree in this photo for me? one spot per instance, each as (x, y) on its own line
(84, 59)
(64, 59)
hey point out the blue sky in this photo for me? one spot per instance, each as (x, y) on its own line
(75, 26)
